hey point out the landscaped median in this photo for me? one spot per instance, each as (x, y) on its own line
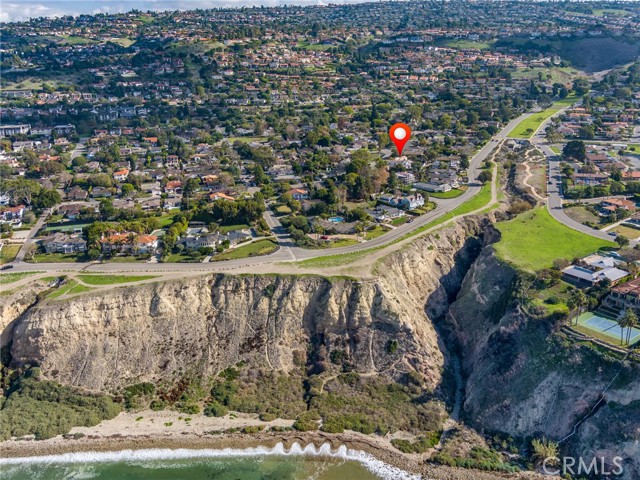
(527, 127)
(253, 249)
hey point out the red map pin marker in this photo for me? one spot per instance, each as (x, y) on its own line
(400, 134)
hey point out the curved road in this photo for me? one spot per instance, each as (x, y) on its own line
(554, 188)
(288, 251)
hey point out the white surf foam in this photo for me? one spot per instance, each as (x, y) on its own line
(375, 466)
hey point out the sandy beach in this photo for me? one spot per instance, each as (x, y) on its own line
(168, 429)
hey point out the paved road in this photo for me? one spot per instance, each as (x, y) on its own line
(32, 233)
(554, 189)
(288, 251)
(80, 148)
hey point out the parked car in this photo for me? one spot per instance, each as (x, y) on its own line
(6, 267)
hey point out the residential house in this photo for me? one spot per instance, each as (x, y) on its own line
(12, 215)
(593, 269)
(432, 187)
(64, 243)
(299, 193)
(121, 175)
(129, 243)
(77, 193)
(220, 196)
(173, 187)
(625, 295)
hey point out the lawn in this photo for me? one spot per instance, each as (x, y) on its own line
(58, 258)
(112, 279)
(375, 233)
(336, 260)
(8, 253)
(230, 228)
(14, 277)
(456, 192)
(582, 215)
(396, 222)
(123, 41)
(69, 288)
(476, 202)
(247, 139)
(534, 239)
(469, 44)
(555, 150)
(527, 127)
(260, 247)
(630, 233)
(177, 258)
(342, 242)
(315, 46)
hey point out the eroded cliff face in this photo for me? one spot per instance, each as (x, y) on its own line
(202, 325)
(520, 376)
(524, 378)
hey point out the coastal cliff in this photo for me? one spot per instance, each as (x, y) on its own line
(442, 301)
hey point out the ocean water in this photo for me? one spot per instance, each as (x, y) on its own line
(297, 463)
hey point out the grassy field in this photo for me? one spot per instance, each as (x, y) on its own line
(555, 74)
(337, 260)
(456, 192)
(230, 228)
(469, 44)
(342, 242)
(375, 233)
(123, 41)
(261, 247)
(14, 277)
(527, 127)
(630, 233)
(582, 215)
(8, 253)
(247, 139)
(57, 258)
(555, 150)
(70, 288)
(112, 279)
(315, 46)
(534, 239)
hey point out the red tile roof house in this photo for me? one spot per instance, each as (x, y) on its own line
(173, 187)
(129, 243)
(121, 175)
(298, 193)
(12, 215)
(610, 205)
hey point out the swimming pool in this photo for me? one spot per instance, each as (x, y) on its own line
(336, 219)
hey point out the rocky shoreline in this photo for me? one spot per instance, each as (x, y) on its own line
(354, 441)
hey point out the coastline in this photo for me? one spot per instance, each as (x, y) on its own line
(378, 447)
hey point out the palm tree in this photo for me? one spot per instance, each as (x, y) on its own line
(577, 300)
(627, 319)
(632, 321)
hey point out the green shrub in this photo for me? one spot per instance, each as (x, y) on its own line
(253, 429)
(307, 422)
(190, 408)
(268, 417)
(46, 409)
(215, 409)
(421, 445)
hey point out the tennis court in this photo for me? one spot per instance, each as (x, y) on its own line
(607, 327)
